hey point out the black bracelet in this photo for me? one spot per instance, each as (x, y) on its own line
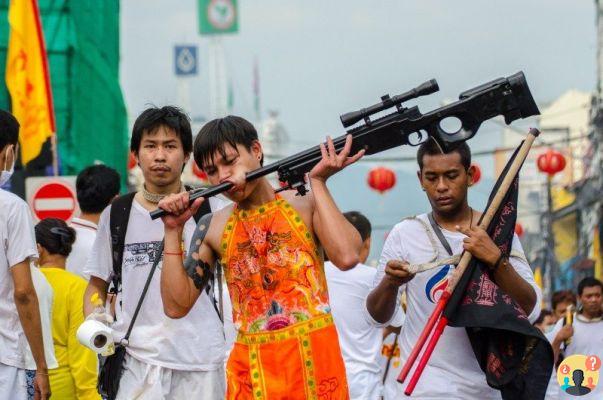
(498, 262)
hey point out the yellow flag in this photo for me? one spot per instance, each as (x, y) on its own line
(27, 78)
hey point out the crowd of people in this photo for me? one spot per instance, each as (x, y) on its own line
(254, 294)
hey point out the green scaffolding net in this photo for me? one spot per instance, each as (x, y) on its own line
(82, 42)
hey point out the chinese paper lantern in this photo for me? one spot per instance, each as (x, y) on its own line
(518, 229)
(131, 161)
(477, 174)
(199, 173)
(381, 179)
(551, 162)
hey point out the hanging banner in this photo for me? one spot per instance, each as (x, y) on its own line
(27, 78)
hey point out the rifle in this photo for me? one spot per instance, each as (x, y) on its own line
(509, 97)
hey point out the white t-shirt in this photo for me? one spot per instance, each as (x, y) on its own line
(85, 233)
(360, 341)
(587, 340)
(192, 343)
(453, 371)
(18, 244)
(45, 300)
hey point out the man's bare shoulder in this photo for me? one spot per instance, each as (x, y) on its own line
(216, 226)
(304, 205)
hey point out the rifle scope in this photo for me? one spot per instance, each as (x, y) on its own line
(423, 89)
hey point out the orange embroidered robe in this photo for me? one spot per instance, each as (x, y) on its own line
(287, 347)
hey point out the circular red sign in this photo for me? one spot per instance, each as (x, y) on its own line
(54, 200)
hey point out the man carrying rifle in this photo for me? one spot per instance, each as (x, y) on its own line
(453, 371)
(271, 246)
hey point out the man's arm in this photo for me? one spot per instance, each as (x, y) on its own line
(481, 246)
(566, 332)
(98, 286)
(340, 240)
(182, 283)
(26, 301)
(338, 237)
(382, 301)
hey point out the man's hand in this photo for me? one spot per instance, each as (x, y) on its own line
(565, 333)
(331, 162)
(480, 245)
(41, 386)
(397, 273)
(178, 209)
(103, 317)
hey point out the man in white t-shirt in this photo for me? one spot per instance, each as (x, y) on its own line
(453, 371)
(585, 336)
(360, 341)
(96, 187)
(166, 358)
(19, 313)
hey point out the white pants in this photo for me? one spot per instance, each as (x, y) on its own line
(143, 381)
(13, 385)
(365, 385)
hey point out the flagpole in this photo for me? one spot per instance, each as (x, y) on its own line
(55, 155)
(460, 270)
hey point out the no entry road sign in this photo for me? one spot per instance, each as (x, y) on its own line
(52, 198)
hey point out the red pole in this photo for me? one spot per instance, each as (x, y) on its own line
(437, 311)
(425, 358)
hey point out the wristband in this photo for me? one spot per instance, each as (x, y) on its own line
(167, 253)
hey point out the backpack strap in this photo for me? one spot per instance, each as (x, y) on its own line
(118, 225)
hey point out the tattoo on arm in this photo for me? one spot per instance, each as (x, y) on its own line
(198, 270)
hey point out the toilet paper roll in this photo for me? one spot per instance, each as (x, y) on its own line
(96, 336)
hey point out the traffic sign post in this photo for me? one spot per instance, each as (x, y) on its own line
(185, 60)
(52, 197)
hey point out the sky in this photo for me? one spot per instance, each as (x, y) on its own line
(320, 59)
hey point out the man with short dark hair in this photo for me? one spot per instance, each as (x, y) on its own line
(166, 358)
(585, 335)
(19, 311)
(96, 186)
(452, 226)
(360, 341)
(271, 246)
(560, 301)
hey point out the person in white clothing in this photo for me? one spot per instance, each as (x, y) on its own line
(45, 299)
(19, 312)
(96, 187)
(584, 337)
(166, 358)
(360, 341)
(453, 371)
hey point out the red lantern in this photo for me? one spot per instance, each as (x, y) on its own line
(199, 173)
(551, 162)
(381, 179)
(131, 161)
(477, 174)
(518, 229)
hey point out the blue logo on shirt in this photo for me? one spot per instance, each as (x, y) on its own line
(437, 284)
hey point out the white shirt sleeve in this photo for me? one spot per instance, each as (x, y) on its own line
(21, 239)
(217, 203)
(100, 261)
(519, 262)
(392, 250)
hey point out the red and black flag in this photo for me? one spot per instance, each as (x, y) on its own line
(515, 356)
